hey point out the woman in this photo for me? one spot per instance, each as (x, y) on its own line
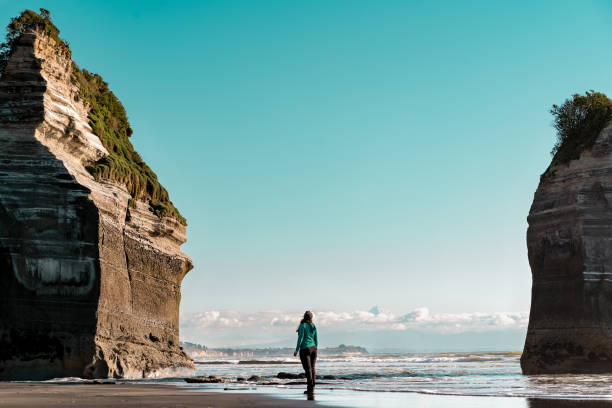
(307, 347)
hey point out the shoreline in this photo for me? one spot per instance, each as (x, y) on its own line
(129, 395)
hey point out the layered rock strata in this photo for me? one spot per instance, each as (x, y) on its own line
(89, 286)
(569, 242)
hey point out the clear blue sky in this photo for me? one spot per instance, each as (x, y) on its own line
(345, 154)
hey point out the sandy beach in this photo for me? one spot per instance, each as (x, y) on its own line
(128, 395)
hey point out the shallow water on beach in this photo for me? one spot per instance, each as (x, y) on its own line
(397, 380)
(465, 374)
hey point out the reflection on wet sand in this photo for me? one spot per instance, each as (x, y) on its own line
(571, 387)
(548, 403)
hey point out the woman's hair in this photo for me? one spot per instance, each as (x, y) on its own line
(306, 319)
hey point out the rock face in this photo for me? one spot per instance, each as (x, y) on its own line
(89, 286)
(570, 252)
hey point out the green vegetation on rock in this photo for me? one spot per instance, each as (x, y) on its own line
(578, 122)
(107, 119)
(29, 20)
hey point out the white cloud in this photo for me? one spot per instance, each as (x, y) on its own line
(270, 321)
(214, 319)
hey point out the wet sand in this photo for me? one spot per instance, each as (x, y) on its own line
(131, 396)
(19, 395)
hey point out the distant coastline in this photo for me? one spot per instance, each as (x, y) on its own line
(199, 351)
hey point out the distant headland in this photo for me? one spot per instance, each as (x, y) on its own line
(198, 351)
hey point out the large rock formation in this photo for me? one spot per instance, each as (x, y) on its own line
(570, 252)
(89, 286)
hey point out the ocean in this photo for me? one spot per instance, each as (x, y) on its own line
(400, 376)
(469, 374)
(477, 379)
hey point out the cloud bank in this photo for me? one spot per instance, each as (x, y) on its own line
(270, 325)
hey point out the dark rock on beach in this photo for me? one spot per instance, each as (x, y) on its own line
(104, 382)
(290, 376)
(569, 243)
(206, 379)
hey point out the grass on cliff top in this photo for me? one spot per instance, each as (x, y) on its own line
(107, 118)
(109, 121)
(578, 121)
(29, 20)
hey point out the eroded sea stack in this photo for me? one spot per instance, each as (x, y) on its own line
(570, 253)
(90, 271)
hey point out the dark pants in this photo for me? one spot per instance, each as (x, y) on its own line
(308, 356)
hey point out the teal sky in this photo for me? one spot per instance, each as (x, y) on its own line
(346, 154)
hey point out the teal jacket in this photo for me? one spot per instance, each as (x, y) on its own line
(307, 336)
